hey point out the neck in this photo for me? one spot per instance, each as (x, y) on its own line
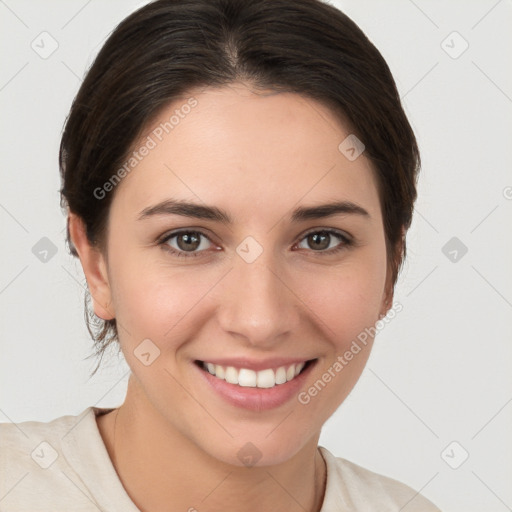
(158, 465)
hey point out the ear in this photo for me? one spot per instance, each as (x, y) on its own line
(387, 300)
(95, 268)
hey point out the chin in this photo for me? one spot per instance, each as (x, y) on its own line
(258, 450)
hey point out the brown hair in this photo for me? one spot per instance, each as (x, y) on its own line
(168, 47)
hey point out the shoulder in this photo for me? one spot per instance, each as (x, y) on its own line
(29, 443)
(35, 462)
(353, 488)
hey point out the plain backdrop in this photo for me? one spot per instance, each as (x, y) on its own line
(438, 386)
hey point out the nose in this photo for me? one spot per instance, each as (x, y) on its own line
(257, 305)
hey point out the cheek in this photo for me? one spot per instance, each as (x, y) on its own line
(347, 305)
(156, 301)
(346, 299)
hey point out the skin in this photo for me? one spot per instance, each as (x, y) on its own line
(257, 156)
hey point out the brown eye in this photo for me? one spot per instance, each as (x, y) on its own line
(188, 241)
(319, 240)
(183, 242)
(324, 241)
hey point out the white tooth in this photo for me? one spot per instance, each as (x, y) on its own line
(219, 371)
(290, 373)
(211, 368)
(266, 378)
(247, 378)
(298, 368)
(231, 375)
(281, 375)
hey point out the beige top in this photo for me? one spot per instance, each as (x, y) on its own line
(63, 465)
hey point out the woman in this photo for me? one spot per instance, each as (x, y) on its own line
(240, 176)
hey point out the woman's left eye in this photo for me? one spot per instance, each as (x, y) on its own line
(321, 241)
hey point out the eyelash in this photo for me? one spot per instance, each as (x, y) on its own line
(346, 242)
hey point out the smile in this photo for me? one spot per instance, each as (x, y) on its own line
(244, 377)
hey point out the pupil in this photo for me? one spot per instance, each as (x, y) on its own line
(321, 240)
(188, 239)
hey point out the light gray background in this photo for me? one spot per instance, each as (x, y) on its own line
(440, 371)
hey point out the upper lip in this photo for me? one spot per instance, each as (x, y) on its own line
(256, 365)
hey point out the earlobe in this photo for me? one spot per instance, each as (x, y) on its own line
(389, 292)
(387, 302)
(94, 267)
(387, 298)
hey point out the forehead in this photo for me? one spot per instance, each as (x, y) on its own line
(233, 147)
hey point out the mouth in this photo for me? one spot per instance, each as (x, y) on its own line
(254, 385)
(265, 378)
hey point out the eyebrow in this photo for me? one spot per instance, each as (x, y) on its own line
(197, 211)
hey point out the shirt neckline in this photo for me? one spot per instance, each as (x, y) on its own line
(86, 452)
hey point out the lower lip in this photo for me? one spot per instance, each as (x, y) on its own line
(256, 399)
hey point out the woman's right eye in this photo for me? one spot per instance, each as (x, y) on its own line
(186, 243)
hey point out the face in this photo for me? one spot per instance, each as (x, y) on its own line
(252, 281)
